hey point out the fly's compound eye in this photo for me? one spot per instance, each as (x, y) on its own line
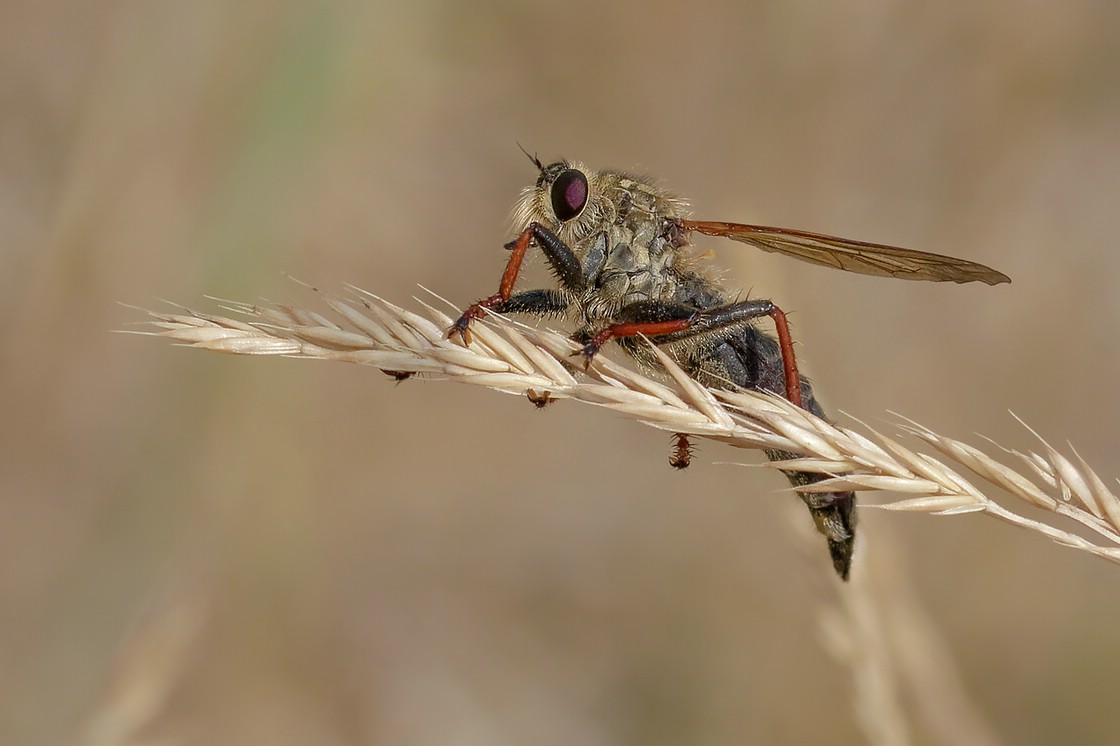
(569, 194)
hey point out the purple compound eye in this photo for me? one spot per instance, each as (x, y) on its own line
(569, 194)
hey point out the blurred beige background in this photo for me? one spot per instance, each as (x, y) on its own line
(204, 549)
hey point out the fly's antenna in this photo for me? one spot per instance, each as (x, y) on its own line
(532, 158)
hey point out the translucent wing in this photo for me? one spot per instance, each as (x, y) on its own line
(852, 256)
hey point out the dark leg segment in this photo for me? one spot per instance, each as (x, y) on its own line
(562, 259)
(546, 302)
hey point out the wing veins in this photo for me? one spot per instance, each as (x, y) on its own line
(850, 255)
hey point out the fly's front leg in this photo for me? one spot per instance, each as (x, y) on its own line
(669, 322)
(564, 264)
(546, 302)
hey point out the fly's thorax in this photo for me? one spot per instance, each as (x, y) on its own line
(636, 264)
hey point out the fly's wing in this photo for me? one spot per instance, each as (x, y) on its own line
(852, 256)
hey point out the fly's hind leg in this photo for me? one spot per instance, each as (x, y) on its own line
(833, 513)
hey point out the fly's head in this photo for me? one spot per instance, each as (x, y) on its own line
(583, 207)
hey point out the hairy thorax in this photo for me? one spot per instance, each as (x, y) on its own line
(638, 256)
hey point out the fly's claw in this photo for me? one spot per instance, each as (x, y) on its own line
(474, 311)
(462, 326)
(588, 352)
(540, 399)
(398, 375)
(591, 349)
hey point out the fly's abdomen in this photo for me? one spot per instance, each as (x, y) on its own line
(752, 360)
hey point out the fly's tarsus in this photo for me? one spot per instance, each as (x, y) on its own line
(540, 399)
(681, 456)
(398, 375)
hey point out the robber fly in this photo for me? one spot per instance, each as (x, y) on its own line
(619, 246)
